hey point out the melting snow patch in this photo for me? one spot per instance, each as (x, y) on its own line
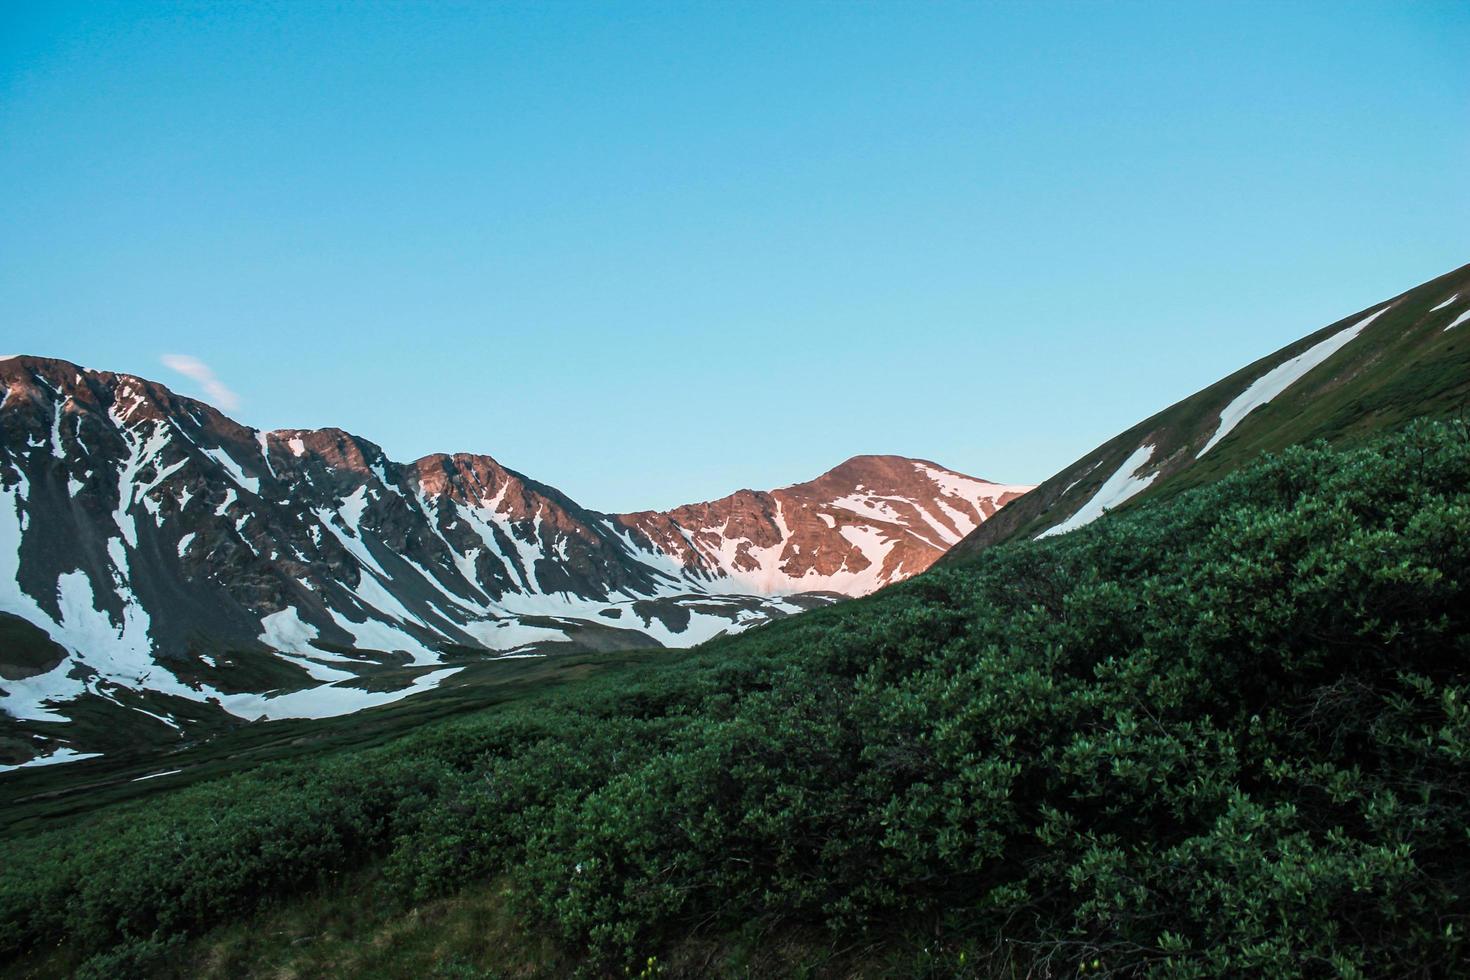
(381, 472)
(285, 631)
(327, 701)
(155, 775)
(56, 447)
(871, 506)
(55, 758)
(165, 720)
(1447, 302)
(1458, 320)
(353, 506)
(1121, 486)
(374, 634)
(507, 634)
(265, 452)
(233, 468)
(1283, 376)
(955, 485)
(318, 671)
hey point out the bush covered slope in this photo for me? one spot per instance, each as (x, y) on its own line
(1227, 733)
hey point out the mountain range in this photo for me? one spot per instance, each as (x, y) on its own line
(160, 558)
(166, 571)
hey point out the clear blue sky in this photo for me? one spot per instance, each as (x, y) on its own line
(654, 253)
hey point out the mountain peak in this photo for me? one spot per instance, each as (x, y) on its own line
(868, 522)
(897, 473)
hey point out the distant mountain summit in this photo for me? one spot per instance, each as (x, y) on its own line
(869, 522)
(158, 556)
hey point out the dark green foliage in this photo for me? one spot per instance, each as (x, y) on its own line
(1226, 734)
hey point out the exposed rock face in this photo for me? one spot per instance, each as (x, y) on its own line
(154, 545)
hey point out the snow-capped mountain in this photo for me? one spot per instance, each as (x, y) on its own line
(867, 523)
(157, 555)
(1405, 357)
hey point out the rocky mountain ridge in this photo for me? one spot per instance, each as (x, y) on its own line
(156, 555)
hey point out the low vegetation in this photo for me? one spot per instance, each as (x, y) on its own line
(1225, 734)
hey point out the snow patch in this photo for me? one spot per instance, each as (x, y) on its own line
(55, 758)
(265, 452)
(233, 469)
(1121, 486)
(327, 701)
(155, 775)
(508, 634)
(56, 448)
(955, 485)
(352, 507)
(286, 632)
(1283, 376)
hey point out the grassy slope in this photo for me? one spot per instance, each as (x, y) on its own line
(1403, 366)
(1227, 733)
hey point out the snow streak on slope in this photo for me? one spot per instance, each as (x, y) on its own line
(328, 701)
(1283, 376)
(55, 758)
(1122, 485)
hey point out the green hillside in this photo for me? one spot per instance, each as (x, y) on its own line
(1223, 733)
(1405, 364)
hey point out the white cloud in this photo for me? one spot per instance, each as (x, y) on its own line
(194, 368)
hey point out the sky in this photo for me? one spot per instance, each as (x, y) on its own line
(654, 253)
